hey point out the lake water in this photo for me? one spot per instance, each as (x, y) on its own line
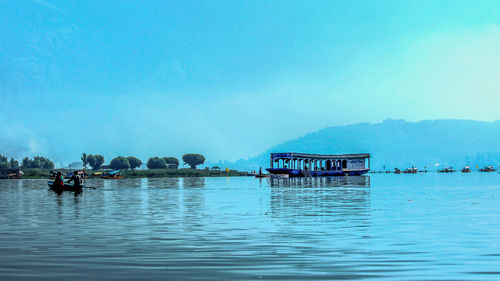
(378, 227)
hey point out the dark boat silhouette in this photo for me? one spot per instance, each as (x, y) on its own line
(447, 170)
(63, 188)
(487, 169)
(412, 170)
(466, 169)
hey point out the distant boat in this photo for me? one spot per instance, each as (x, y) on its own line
(69, 174)
(466, 169)
(487, 169)
(96, 174)
(412, 170)
(112, 175)
(11, 174)
(447, 170)
(262, 175)
(397, 171)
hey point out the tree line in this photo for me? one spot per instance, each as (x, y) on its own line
(131, 162)
(38, 162)
(96, 162)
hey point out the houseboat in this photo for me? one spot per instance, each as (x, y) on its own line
(293, 164)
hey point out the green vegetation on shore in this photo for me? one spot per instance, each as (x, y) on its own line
(158, 167)
(38, 162)
(156, 173)
(160, 173)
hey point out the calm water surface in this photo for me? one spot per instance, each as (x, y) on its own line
(381, 227)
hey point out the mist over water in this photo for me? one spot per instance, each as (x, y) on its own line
(380, 227)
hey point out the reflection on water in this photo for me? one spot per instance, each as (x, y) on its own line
(193, 182)
(381, 227)
(321, 199)
(356, 181)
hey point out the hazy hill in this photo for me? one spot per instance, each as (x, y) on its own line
(397, 143)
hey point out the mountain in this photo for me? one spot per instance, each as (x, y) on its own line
(397, 143)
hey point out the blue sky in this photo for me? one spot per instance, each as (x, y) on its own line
(230, 79)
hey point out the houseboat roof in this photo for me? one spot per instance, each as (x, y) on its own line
(320, 156)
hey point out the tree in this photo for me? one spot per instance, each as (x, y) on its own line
(14, 164)
(91, 160)
(85, 160)
(156, 163)
(171, 162)
(26, 163)
(134, 162)
(38, 162)
(48, 165)
(95, 161)
(42, 163)
(193, 159)
(4, 162)
(119, 163)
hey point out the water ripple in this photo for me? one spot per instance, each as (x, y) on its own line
(383, 227)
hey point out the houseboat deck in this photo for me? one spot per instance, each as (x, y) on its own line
(319, 165)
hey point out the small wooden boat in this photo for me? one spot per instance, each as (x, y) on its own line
(112, 175)
(466, 169)
(64, 188)
(14, 176)
(397, 171)
(262, 175)
(96, 175)
(411, 170)
(11, 174)
(446, 170)
(487, 169)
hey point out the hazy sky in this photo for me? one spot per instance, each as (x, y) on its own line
(230, 79)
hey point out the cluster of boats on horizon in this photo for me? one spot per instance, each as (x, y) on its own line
(414, 170)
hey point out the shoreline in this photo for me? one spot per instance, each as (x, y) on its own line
(153, 173)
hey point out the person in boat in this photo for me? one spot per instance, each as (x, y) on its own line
(76, 179)
(260, 170)
(58, 181)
